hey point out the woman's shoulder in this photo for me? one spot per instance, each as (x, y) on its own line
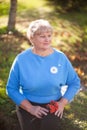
(23, 54)
(59, 52)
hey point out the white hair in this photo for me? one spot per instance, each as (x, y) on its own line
(38, 27)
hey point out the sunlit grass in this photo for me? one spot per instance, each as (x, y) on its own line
(24, 45)
(4, 7)
(21, 5)
(2, 93)
(32, 3)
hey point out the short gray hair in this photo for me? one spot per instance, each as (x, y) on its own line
(38, 27)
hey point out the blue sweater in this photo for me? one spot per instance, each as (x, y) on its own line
(40, 79)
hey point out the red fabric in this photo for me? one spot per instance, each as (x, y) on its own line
(52, 106)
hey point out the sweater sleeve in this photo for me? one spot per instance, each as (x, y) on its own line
(73, 82)
(13, 84)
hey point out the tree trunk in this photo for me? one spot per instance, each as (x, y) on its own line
(12, 15)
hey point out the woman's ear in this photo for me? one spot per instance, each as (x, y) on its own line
(31, 40)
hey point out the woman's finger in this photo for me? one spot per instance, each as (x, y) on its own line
(59, 113)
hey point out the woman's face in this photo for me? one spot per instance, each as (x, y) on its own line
(42, 41)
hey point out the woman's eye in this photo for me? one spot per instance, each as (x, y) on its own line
(42, 36)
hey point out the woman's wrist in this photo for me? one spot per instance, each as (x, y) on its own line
(26, 105)
(64, 101)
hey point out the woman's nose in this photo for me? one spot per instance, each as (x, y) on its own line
(46, 38)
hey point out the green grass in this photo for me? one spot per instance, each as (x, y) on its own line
(32, 4)
(22, 5)
(70, 36)
(4, 7)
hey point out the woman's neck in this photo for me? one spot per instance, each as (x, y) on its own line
(44, 52)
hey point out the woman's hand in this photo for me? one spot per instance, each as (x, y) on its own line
(34, 110)
(60, 110)
(61, 105)
(38, 111)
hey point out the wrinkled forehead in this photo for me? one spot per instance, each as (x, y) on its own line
(43, 29)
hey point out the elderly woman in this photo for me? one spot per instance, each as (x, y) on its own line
(36, 79)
